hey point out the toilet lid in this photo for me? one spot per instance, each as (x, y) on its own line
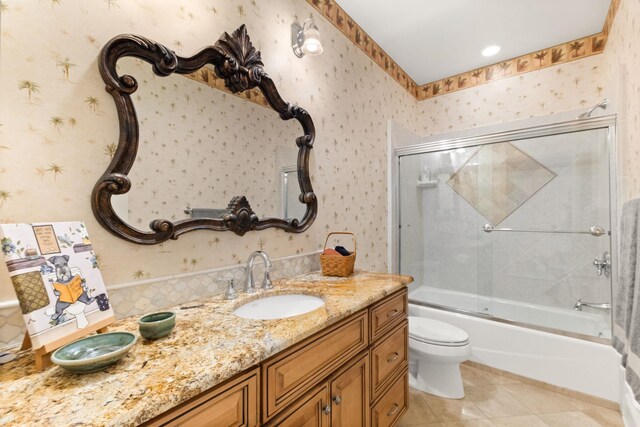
(432, 331)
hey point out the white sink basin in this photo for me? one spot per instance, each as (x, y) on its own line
(278, 307)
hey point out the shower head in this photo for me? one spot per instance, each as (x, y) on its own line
(602, 104)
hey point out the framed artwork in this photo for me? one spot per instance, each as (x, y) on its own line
(56, 278)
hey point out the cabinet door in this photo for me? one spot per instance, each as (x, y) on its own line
(232, 404)
(350, 395)
(311, 410)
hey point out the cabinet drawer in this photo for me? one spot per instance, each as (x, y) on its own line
(309, 411)
(291, 373)
(388, 357)
(392, 404)
(234, 403)
(388, 313)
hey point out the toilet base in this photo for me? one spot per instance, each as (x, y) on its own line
(439, 379)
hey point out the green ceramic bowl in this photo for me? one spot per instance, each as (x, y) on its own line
(157, 325)
(94, 353)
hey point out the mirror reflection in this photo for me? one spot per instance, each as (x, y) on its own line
(199, 147)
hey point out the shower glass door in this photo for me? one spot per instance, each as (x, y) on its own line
(558, 187)
(517, 229)
(440, 242)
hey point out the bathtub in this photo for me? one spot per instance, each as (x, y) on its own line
(588, 323)
(575, 364)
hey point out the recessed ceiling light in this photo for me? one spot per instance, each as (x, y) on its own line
(490, 50)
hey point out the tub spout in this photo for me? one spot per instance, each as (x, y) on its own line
(598, 305)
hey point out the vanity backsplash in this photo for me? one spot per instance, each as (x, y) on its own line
(145, 296)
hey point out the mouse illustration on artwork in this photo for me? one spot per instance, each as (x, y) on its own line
(71, 293)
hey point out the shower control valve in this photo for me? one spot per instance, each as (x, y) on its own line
(603, 265)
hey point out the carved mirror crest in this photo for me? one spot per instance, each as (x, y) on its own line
(239, 64)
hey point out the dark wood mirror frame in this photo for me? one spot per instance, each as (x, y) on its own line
(240, 65)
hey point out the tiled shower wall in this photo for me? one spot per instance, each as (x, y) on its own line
(539, 268)
(133, 299)
(556, 269)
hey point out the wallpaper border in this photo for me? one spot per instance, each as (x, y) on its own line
(555, 55)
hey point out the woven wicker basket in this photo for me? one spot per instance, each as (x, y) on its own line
(341, 266)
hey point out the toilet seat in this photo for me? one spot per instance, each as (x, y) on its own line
(435, 332)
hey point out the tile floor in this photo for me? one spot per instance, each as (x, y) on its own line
(496, 400)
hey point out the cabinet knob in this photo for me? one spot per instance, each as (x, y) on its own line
(337, 400)
(394, 410)
(393, 356)
(393, 312)
(326, 409)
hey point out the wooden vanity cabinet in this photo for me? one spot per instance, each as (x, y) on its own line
(353, 373)
(368, 389)
(291, 373)
(389, 359)
(342, 400)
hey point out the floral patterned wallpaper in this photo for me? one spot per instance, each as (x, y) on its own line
(59, 126)
(570, 86)
(622, 56)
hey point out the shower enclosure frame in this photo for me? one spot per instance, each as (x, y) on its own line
(602, 122)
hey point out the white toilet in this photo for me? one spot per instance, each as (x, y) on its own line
(435, 352)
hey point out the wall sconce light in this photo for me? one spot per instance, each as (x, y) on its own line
(305, 39)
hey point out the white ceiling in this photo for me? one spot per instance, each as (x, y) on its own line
(433, 39)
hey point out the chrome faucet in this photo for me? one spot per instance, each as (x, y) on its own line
(250, 286)
(599, 305)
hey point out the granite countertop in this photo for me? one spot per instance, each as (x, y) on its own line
(208, 346)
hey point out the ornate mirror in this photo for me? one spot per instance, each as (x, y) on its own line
(190, 157)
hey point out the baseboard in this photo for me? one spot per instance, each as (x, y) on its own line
(629, 407)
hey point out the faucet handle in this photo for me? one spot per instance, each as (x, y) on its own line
(267, 283)
(231, 291)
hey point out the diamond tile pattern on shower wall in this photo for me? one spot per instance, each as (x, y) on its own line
(499, 178)
(485, 272)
